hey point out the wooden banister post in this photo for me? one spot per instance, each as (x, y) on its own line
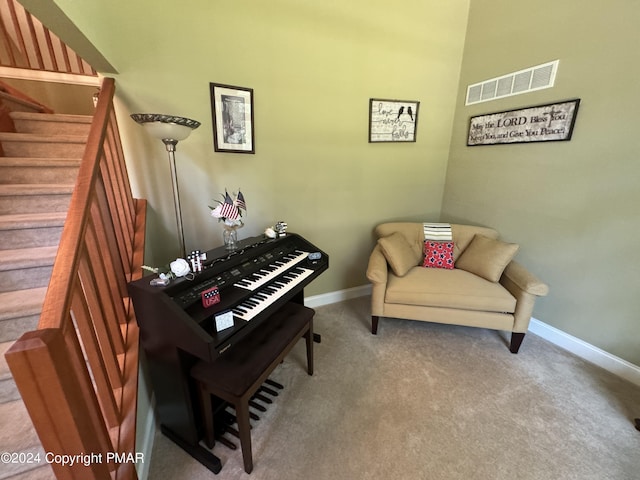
(48, 382)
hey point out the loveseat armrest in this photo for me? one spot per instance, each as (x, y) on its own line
(525, 280)
(377, 269)
(525, 287)
(377, 273)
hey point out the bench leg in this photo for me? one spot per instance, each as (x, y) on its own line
(309, 338)
(207, 413)
(244, 427)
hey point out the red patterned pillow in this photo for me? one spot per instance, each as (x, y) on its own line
(438, 254)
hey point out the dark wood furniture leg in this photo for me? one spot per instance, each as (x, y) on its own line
(244, 427)
(310, 338)
(374, 324)
(207, 414)
(516, 341)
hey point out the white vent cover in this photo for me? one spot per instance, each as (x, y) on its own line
(523, 81)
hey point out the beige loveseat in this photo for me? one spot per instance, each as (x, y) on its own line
(485, 289)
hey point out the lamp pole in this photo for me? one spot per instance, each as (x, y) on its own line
(170, 144)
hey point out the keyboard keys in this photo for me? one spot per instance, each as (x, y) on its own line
(270, 272)
(262, 299)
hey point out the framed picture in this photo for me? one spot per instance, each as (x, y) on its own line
(392, 120)
(552, 122)
(232, 111)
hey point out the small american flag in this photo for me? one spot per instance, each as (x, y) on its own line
(229, 210)
(240, 203)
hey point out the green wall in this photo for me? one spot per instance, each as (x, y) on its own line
(573, 206)
(313, 67)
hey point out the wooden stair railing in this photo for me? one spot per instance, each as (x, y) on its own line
(78, 372)
(10, 99)
(27, 44)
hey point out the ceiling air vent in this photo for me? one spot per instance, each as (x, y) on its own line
(523, 81)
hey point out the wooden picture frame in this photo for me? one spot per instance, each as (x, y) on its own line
(552, 122)
(232, 112)
(393, 120)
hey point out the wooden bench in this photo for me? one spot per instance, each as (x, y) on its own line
(238, 374)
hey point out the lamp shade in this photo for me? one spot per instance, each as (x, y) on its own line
(166, 126)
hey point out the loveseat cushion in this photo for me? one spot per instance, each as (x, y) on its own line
(399, 254)
(487, 257)
(458, 289)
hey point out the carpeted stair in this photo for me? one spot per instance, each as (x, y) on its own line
(37, 176)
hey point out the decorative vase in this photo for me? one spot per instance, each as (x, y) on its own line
(230, 236)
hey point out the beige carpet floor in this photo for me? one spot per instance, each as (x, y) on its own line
(429, 401)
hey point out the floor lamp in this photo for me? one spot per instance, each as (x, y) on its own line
(170, 129)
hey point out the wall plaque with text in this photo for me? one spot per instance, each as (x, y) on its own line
(543, 123)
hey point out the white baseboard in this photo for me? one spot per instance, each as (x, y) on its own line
(337, 296)
(591, 353)
(582, 349)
